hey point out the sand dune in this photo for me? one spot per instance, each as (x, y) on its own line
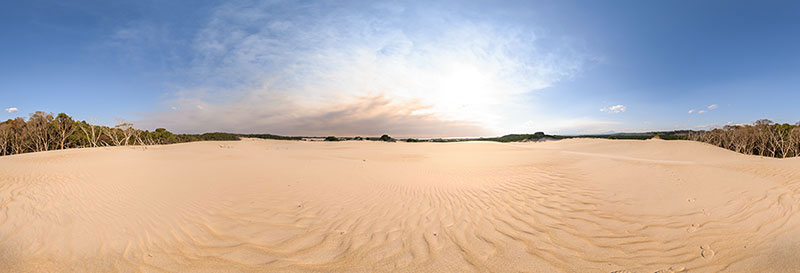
(281, 206)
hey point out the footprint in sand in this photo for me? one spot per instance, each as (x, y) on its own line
(677, 268)
(706, 252)
(692, 228)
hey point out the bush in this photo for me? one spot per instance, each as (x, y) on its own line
(331, 138)
(218, 136)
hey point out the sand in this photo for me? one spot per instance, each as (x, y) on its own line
(285, 206)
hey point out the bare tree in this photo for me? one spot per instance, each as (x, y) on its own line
(773, 140)
(127, 130)
(794, 140)
(92, 133)
(38, 129)
(743, 139)
(138, 138)
(784, 140)
(114, 135)
(763, 137)
(5, 138)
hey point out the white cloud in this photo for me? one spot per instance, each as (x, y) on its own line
(288, 64)
(11, 109)
(699, 112)
(614, 109)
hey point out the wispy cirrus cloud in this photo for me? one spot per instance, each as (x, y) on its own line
(279, 64)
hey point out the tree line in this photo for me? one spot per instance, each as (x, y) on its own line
(44, 131)
(763, 137)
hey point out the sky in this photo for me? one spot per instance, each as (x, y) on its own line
(404, 68)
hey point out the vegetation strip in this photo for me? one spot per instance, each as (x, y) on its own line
(45, 131)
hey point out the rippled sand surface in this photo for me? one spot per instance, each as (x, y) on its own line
(284, 206)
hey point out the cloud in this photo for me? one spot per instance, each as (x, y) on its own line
(141, 41)
(277, 64)
(614, 109)
(11, 110)
(700, 112)
(365, 116)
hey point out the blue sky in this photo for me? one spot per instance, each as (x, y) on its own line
(404, 68)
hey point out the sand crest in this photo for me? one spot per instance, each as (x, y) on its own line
(284, 206)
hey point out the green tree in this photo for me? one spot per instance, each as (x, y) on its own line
(5, 137)
(18, 138)
(64, 126)
(39, 130)
(162, 136)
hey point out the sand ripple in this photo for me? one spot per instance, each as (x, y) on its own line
(273, 206)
